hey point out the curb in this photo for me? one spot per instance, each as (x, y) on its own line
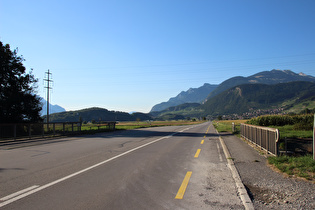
(239, 184)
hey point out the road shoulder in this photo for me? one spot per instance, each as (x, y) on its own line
(267, 188)
(240, 186)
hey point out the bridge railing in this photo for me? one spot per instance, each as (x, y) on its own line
(35, 130)
(264, 137)
(16, 131)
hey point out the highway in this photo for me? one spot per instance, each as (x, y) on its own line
(173, 167)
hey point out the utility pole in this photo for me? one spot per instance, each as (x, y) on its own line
(48, 80)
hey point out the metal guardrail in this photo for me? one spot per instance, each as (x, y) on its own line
(264, 137)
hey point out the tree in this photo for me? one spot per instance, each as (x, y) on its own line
(18, 101)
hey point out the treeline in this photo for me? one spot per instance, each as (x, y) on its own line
(97, 115)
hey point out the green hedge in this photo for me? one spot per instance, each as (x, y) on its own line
(300, 121)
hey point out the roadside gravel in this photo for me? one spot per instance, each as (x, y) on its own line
(268, 189)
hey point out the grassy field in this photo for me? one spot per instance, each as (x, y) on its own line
(226, 126)
(288, 131)
(295, 166)
(135, 125)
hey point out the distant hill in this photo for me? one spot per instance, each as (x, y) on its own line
(242, 98)
(182, 111)
(265, 77)
(207, 91)
(141, 116)
(52, 108)
(97, 114)
(193, 95)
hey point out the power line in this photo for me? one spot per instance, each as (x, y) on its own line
(229, 61)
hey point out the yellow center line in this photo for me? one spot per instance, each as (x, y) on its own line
(182, 189)
(204, 137)
(197, 153)
(202, 141)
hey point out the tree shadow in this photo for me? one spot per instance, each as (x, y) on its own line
(11, 169)
(149, 133)
(135, 133)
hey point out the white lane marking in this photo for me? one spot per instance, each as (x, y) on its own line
(20, 196)
(183, 130)
(18, 193)
(220, 156)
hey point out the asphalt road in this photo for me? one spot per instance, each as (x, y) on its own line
(175, 167)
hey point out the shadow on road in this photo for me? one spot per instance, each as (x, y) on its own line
(136, 133)
(149, 133)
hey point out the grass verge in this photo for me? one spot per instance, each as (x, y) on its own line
(288, 131)
(226, 126)
(303, 167)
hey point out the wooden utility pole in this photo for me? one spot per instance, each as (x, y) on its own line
(48, 80)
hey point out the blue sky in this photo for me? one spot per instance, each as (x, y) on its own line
(128, 55)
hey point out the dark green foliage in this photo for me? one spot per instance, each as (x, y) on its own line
(178, 112)
(300, 122)
(303, 126)
(186, 106)
(141, 116)
(168, 117)
(18, 102)
(96, 115)
(308, 111)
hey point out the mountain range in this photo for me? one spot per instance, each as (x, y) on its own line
(230, 103)
(264, 77)
(275, 89)
(52, 108)
(193, 95)
(243, 98)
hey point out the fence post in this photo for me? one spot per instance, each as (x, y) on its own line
(286, 146)
(14, 132)
(267, 143)
(29, 131)
(277, 142)
(261, 137)
(233, 127)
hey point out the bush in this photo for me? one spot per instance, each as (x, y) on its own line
(303, 122)
(303, 126)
